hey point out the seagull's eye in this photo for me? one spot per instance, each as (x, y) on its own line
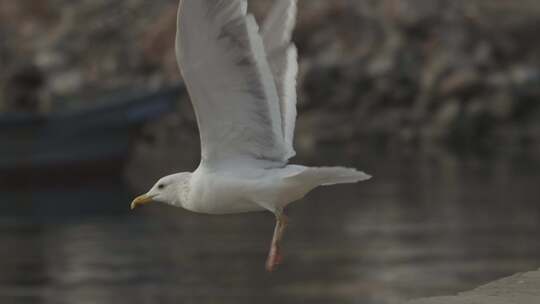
(161, 186)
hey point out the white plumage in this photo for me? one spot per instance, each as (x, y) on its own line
(283, 59)
(242, 84)
(223, 61)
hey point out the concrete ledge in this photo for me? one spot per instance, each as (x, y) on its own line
(521, 288)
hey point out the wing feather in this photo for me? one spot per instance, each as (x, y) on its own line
(283, 59)
(232, 89)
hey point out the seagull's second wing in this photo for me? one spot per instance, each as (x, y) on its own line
(223, 61)
(282, 56)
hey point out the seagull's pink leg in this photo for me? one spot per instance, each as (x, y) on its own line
(274, 256)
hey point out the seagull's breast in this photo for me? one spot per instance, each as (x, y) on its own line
(221, 193)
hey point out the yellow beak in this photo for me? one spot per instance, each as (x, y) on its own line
(141, 200)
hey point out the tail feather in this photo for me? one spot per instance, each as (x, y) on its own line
(300, 180)
(339, 175)
(327, 176)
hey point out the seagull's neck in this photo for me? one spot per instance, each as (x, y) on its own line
(183, 187)
(183, 195)
(178, 193)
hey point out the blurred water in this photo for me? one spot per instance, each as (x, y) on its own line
(425, 226)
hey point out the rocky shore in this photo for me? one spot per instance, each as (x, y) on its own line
(521, 288)
(464, 73)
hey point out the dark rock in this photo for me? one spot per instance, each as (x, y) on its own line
(22, 92)
(402, 70)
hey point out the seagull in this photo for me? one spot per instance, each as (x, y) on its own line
(242, 84)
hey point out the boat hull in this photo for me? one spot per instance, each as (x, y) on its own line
(94, 135)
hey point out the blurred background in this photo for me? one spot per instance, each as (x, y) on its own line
(438, 99)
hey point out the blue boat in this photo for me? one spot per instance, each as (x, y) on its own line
(88, 133)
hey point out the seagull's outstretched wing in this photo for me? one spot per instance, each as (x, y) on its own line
(283, 58)
(226, 71)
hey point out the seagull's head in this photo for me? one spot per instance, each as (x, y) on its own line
(171, 190)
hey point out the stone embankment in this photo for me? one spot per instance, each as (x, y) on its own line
(522, 288)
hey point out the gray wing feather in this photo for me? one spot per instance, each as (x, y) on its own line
(283, 59)
(232, 89)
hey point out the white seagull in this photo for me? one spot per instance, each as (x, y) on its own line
(242, 84)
